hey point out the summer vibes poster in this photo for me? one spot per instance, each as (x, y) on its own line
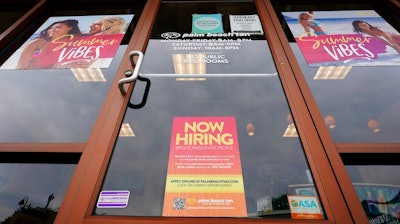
(353, 37)
(72, 42)
(204, 171)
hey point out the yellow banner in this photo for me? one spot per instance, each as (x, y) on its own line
(204, 183)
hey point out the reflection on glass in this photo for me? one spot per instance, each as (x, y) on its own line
(53, 105)
(361, 95)
(378, 188)
(126, 131)
(250, 129)
(364, 104)
(61, 105)
(374, 125)
(332, 72)
(330, 122)
(88, 74)
(291, 130)
(273, 166)
(32, 193)
(189, 63)
(240, 95)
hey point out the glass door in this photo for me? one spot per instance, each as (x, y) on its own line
(208, 131)
(55, 83)
(57, 64)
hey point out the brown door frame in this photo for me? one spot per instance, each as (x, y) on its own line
(81, 196)
(322, 154)
(335, 150)
(320, 166)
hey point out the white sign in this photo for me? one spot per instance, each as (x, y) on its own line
(245, 24)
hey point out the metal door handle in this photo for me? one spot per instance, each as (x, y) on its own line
(145, 94)
(135, 73)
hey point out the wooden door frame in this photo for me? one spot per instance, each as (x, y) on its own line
(81, 196)
(338, 197)
(335, 150)
(316, 152)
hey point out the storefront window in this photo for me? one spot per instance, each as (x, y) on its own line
(32, 193)
(349, 55)
(55, 83)
(351, 71)
(215, 137)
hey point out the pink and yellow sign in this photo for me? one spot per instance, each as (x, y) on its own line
(339, 48)
(337, 38)
(204, 176)
(72, 42)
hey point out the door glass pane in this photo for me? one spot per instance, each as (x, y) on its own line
(356, 94)
(49, 100)
(378, 188)
(241, 157)
(32, 193)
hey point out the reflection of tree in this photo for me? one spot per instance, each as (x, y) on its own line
(29, 214)
(371, 207)
(23, 202)
(50, 198)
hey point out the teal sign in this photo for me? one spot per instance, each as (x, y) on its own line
(207, 23)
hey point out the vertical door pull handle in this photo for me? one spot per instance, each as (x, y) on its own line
(132, 76)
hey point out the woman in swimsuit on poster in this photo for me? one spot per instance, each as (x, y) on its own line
(108, 25)
(104, 26)
(306, 19)
(38, 53)
(391, 39)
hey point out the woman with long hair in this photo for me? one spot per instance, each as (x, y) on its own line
(306, 19)
(108, 25)
(38, 53)
(391, 39)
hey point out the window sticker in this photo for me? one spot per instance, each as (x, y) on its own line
(245, 24)
(304, 207)
(340, 38)
(204, 176)
(113, 199)
(72, 42)
(207, 23)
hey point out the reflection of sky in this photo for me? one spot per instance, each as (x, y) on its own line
(366, 93)
(50, 105)
(36, 181)
(252, 57)
(379, 174)
(269, 162)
